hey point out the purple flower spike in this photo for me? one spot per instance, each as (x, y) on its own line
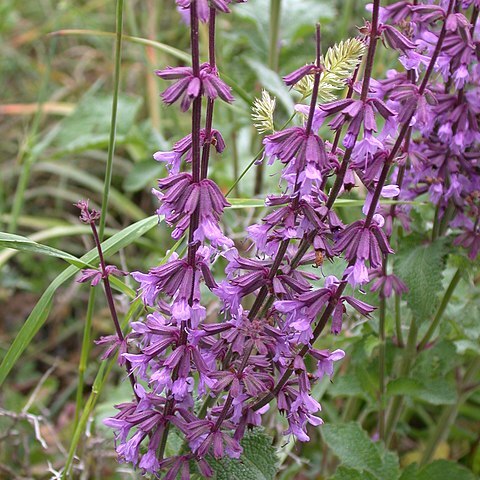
(182, 197)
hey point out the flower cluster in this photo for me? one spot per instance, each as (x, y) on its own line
(414, 133)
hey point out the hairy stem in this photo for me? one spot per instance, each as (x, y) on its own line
(396, 405)
(441, 309)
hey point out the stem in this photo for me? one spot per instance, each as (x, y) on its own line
(87, 331)
(210, 102)
(308, 130)
(274, 51)
(113, 118)
(450, 412)
(437, 50)
(196, 175)
(371, 50)
(398, 321)
(396, 406)
(381, 363)
(82, 366)
(111, 304)
(441, 309)
(273, 54)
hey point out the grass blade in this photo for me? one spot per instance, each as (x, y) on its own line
(41, 310)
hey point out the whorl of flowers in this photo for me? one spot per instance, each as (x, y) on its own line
(410, 134)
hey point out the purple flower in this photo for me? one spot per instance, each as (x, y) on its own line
(325, 360)
(203, 8)
(386, 285)
(357, 113)
(358, 242)
(190, 87)
(181, 197)
(297, 75)
(183, 148)
(94, 276)
(305, 152)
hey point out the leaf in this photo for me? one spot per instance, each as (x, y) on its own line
(174, 52)
(17, 242)
(120, 202)
(354, 448)
(246, 203)
(439, 470)
(257, 462)
(40, 312)
(421, 267)
(344, 473)
(437, 391)
(142, 174)
(88, 127)
(272, 82)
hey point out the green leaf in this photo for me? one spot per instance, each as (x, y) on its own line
(344, 473)
(421, 267)
(436, 391)
(246, 202)
(88, 126)
(272, 82)
(354, 448)
(142, 174)
(257, 462)
(40, 312)
(120, 202)
(17, 242)
(439, 470)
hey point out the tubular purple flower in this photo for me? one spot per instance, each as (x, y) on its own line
(189, 87)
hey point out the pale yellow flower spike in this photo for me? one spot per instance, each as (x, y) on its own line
(262, 113)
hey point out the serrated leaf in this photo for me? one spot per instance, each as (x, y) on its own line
(421, 268)
(40, 312)
(354, 448)
(439, 470)
(257, 462)
(437, 391)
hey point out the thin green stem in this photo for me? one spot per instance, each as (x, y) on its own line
(441, 309)
(381, 368)
(273, 55)
(449, 413)
(257, 157)
(97, 388)
(398, 321)
(396, 405)
(274, 50)
(436, 224)
(113, 118)
(87, 331)
(82, 366)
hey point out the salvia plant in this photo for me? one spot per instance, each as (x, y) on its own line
(204, 378)
(208, 379)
